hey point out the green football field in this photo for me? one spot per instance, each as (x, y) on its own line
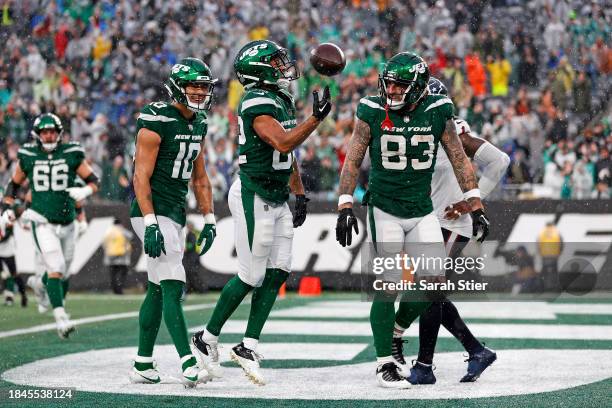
(317, 351)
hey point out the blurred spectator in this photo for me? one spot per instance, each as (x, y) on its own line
(499, 68)
(582, 94)
(550, 245)
(117, 254)
(603, 171)
(526, 279)
(476, 74)
(115, 182)
(518, 172)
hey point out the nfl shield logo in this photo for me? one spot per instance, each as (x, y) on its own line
(406, 119)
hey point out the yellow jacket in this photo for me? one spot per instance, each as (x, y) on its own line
(549, 242)
(500, 72)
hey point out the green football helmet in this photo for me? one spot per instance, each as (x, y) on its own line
(264, 62)
(406, 70)
(191, 71)
(47, 121)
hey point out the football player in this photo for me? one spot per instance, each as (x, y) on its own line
(453, 213)
(51, 166)
(402, 127)
(8, 268)
(38, 281)
(263, 224)
(170, 153)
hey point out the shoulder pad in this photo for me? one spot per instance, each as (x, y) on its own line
(372, 101)
(258, 98)
(434, 101)
(157, 112)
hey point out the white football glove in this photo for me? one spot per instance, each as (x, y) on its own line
(82, 227)
(79, 193)
(461, 126)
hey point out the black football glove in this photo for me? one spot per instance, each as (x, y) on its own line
(480, 225)
(345, 225)
(300, 210)
(321, 108)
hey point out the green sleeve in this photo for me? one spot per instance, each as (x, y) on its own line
(257, 105)
(368, 109)
(25, 160)
(151, 118)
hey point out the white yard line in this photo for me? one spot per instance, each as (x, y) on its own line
(93, 319)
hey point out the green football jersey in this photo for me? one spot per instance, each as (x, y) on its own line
(403, 157)
(181, 142)
(50, 174)
(262, 169)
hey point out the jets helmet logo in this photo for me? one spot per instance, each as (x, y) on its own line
(420, 68)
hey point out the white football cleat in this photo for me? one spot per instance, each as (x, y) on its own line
(194, 375)
(148, 376)
(206, 354)
(9, 298)
(388, 376)
(64, 326)
(249, 361)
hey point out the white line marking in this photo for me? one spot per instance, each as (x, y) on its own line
(549, 370)
(93, 319)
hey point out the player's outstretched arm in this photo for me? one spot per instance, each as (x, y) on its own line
(297, 188)
(202, 189)
(491, 160)
(358, 145)
(285, 141)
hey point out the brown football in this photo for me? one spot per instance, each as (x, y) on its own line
(327, 59)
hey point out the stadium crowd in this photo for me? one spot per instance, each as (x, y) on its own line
(533, 77)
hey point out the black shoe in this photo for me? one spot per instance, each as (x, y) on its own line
(477, 363)
(397, 352)
(421, 374)
(24, 300)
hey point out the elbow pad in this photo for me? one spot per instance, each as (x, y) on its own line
(494, 164)
(92, 178)
(11, 189)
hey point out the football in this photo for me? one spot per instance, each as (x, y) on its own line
(327, 59)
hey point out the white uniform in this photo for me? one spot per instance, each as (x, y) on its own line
(54, 242)
(415, 237)
(168, 266)
(267, 243)
(7, 248)
(445, 191)
(445, 188)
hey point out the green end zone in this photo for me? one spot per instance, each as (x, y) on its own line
(317, 351)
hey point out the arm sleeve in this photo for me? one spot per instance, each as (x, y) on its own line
(494, 164)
